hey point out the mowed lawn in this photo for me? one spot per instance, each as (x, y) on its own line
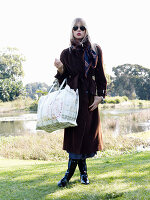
(114, 177)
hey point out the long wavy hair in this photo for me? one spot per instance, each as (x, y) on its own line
(83, 23)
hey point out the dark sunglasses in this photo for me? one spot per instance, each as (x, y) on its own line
(82, 28)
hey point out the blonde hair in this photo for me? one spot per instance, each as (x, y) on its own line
(83, 23)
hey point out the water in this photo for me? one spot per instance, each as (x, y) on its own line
(17, 124)
(22, 123)
(128, 125)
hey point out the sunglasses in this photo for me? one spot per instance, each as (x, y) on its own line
(82, 28)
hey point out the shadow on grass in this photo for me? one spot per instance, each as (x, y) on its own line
(29, 182)
(118, 177)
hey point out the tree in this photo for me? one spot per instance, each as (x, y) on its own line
(32, 88)
(132, 81)
(11, 64)
(11, 72)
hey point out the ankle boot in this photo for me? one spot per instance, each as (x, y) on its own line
(69, 173)
(83, 171)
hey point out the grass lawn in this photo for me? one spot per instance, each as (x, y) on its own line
(124, 176)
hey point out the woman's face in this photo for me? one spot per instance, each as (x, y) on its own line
(79, 34)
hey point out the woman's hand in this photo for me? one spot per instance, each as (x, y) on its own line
(58, 64)
(97, 100)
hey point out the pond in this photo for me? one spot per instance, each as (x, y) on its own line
(18, 123)
(127, 121)
(21, 123)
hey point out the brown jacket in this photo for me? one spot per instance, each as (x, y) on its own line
(87, 136)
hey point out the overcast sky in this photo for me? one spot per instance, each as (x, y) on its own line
(40, 29)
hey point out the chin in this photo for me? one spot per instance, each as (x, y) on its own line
(79, 37)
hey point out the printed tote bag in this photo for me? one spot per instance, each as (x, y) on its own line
(58, 109)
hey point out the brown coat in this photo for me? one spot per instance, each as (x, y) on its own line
(87, 136)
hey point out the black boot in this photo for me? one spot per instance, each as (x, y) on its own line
(69, 173)
(83, 171)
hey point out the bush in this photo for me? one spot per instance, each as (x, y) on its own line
(116, 100)
(110, 101)
(125, 98)
(34, 106)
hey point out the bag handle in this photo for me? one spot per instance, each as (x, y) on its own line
(65, 80)
(59, 87)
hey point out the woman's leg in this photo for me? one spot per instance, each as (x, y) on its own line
(83, 171)
(69, 173)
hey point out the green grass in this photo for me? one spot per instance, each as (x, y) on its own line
(115, 177)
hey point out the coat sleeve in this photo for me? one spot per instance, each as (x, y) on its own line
(65, 74)
(100, 78)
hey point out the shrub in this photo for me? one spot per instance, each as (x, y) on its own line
(118, 100)
(125, 98)
(34, 106)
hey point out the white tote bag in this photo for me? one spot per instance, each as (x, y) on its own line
(58, 109)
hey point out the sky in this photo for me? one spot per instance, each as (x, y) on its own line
(40, 29)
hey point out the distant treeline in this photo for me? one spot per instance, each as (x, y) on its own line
(34, 90)
(129, 80)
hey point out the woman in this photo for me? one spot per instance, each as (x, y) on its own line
(82, 65)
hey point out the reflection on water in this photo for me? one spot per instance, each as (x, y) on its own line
(22, 123)
(17, 124)
(123, 120)
(17, 127)
(131, 127)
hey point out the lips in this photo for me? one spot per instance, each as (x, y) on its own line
(78, 34)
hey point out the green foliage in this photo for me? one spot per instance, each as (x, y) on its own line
(10, 89)
(41, 92)
(11, 63)
(116, 100)
(132, 81)
(125, 98)
(35, 90)
(34, 106)
(11, 72)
